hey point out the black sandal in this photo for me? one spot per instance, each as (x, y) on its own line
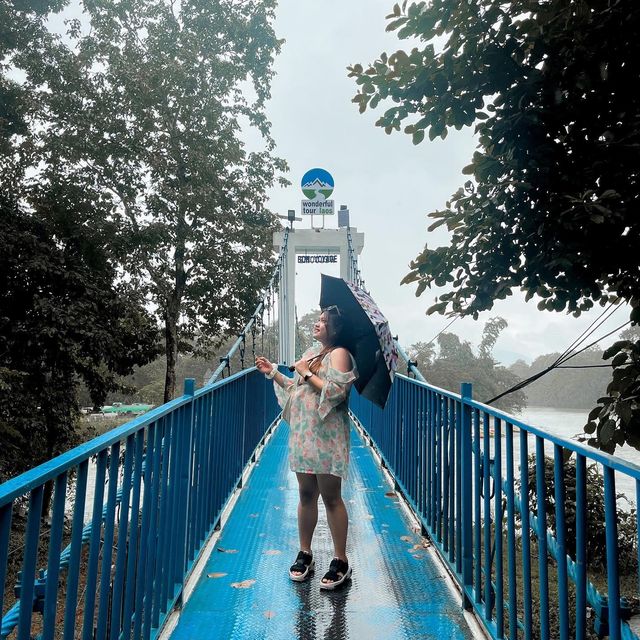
(304, 566)
(339, 571)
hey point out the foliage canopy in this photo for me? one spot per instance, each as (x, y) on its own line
(454, 361)
(596, 546)
(145, 111)
(552, 206)
(62, 321)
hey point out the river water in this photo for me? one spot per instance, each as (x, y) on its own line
(568, 424)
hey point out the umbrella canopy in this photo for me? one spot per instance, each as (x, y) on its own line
(368, 337)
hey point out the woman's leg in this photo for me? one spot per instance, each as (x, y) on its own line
(307, 508)
(331, 492)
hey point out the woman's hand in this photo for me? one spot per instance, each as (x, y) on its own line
(302, 367)
(263, 365)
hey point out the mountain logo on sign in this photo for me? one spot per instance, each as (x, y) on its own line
(317, 185)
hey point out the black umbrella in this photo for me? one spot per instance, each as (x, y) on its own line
(368, 337)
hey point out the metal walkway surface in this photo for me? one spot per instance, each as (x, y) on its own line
(397, 590)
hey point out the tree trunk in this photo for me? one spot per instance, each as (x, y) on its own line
(172, 313)
(171, 347)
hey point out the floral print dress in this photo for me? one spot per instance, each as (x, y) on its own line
(318, 421)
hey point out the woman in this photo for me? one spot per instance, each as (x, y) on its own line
(314, 403)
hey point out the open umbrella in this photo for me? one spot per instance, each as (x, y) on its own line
(368, 337)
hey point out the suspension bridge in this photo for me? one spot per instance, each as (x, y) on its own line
(464, 521)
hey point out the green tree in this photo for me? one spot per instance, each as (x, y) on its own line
(21, 24)
(492, 330)
(552, 207)
(146, 110)
(423, 353)
(304, 331)
(596, 543)
(63, 319)
(454, 362)
(66, 317)
(565, 388)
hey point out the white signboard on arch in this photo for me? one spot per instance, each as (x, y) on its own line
(318, 207)
(317, 185)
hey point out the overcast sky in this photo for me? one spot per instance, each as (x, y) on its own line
(388, 183)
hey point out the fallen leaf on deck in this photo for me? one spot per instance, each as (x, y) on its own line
(272, 552)
(269, 614)
(216, 575)
(390, 494)
(221, 550)
(254, 515)
(245, 584)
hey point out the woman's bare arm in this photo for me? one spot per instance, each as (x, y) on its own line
(264, 366)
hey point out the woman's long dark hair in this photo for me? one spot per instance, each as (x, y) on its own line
(335, 334)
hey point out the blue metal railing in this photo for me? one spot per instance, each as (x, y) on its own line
(466, 470)
(168, 475)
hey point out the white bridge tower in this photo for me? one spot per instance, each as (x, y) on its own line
(304, 241)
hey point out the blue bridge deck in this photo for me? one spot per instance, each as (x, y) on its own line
(397, 590)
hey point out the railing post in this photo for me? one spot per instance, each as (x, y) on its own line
(245, 454)
(466, 392)
(186, 435)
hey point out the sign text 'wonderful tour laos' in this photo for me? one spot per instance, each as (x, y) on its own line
(317, 186)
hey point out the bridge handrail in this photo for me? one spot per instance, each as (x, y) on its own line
(412, 366)
(15, 487)
(600, 456)
(445, 465)
(10, 619)
(180, 464)
(604, 458)
(577, 447)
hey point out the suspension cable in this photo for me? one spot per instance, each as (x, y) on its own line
(412, 365)
(443, 330)
(354, 271)
(590, 330)
(257, 314)
(269, 323)
(569, 353)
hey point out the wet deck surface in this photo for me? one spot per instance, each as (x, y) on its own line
(397, 591)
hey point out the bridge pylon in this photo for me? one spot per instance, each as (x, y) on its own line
(325, 241)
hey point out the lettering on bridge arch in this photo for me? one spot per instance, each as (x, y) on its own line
(317, 259)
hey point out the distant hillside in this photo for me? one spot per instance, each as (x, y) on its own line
(565, 388)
